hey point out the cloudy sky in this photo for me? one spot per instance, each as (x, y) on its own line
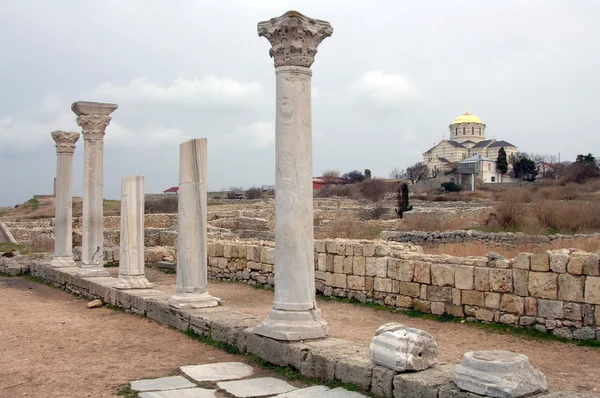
(386, 85)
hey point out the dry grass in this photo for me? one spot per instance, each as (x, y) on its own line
(348, 229)
(161, 206)
(481, 249)
(430, 222)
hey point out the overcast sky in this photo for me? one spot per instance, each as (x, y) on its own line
(386, 85)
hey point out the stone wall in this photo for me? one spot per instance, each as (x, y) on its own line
(557, 292)
(463, 236)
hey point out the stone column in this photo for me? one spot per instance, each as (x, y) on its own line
(93, 117)
(63, 191)
(192, 250)
(131, 259)
(294, 316)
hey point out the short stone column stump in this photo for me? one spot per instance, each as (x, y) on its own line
(501, 374)
(403, 349)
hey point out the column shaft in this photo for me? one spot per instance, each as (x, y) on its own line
(131, 259)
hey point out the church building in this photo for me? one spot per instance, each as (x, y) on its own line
(467, 139)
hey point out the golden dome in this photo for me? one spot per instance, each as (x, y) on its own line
(467, 118)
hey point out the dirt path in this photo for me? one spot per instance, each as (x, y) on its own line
(567, 367)
(52, 345)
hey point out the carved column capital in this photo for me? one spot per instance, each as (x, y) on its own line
(93, 126)
(65, 141)
(294, 38)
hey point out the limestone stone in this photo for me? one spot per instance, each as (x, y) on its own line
(162, 383)
(585, 333)
(540, 262)
(530, 306)
(522, 261)
(401, 349)
(527, 321)
(575, 265)
(570, 288)
(355, 369)
(181, 393)
(464, 277)
(338, 264)
(591, 266)
(521, 282)
(93, 117)
(383, 285)
(512, 304)
(425, 384)
(550, 309)
(401, 270)
(492, 300)
(371, 266)
(559, 260)
(484, 315)
(341, 392)
(450, 390)
(422, 272)
(191, 285)
(356, 282)
(404, 301)
(592, 291)
(438, 308)
(501, 280)
(382, 382)
(501, 374)
(218, 371)
(472, 297)
(256, 387)
(381, 267)
(439, 293)
(63, 220)
(409, 289)
(359, 265)
(563, 332)
(507, 319)
(442, 274)
(482, 279)
(422, 305)
(456, 297)
(308, 392)
(543, 285)
(566, 394)
(131, 257)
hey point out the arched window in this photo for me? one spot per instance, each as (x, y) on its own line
(464, 130)
(479, 130)
(456, 131)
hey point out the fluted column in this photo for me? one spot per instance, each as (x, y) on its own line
(192, 247)
(93, 117)
(63, 191)
(131, 259)
(294, 316)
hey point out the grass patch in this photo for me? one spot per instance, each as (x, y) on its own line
(228, 348)
(33, 204)
(8, 247)
(113, 264)
(37, 279)
(126, 392)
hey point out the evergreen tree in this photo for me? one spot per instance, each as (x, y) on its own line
(367, 173)
(502, 162)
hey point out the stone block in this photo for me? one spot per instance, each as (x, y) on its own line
(512, 304)
(159, 310)
(501, 374)
(355, 370)
(401, 270)
(585, 333)
(277, 352)
(359, 265)
(591, 266)
(257, 387)
(540, 262)
(357, 250)
(587, 312)
(472, 297)
(439, 293)
(570, 287)
(450, 390)
(368, 250)
(592, 291)
(403, 349)
(423, 295)
(456, 297)
(530, 306)
(559, 260)
(442, 274)
(521, 282)
(464, 277)
(566, 394)
(527, 321)
(409, 289)
(563, 332)
(455, 310)
(356, 282)
(338, 264)
(320, 275)
(422, 272)
(484, 315)
(323, 356)
(507, 319)
(550, 309)
(336, 280)
(369, 282)
(492, 300)
(404, 301)
(482, 279)
(422, 305)
(371, 266)
(501, 280)
(425, 384)
(522, 261)
(320, 246)
(329, 263)
(381, 264)
(331, 246)
(382, 382)
(575, 265)
(217, 371)
(438, 307)
(543, 285)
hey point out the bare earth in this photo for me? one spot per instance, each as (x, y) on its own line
(52, 345)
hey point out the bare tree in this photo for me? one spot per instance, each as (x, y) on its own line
(330, 176)
(373, 189)
(396, 173)
(415, 173)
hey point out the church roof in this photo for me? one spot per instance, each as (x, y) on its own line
(476, 158)
(491, 143)
(482, 144)
(443, 160)
(467, 118)
(501, 143)
(452, 143)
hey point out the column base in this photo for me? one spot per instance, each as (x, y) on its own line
(133, 282)
(293, 325)
(193, 300)
(62, 262)
(91, 271)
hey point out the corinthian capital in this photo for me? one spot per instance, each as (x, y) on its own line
(93, 126)
(65, 141)
(294, 38)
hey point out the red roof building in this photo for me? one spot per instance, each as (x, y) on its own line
(172, 190)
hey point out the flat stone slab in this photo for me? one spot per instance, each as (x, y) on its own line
(567, 394)
(184, 393)
(162, 383)
(256, 387)
(165, 265)
(342, 393)
(309, 392)
(218, 371)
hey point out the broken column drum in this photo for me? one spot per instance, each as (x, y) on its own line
(63, 187)
(192, 246)
(93, 117)
(131, 255)
(294, 316)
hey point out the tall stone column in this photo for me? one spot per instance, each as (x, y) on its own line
(93, 117)
(294, 316)
(192, 248)
(63, 191)
(131, 259)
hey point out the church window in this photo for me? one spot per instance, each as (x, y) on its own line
(493, 179)
(479, 131)
(456, 131)
(464, 130)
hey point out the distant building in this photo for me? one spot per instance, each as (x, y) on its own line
(477, 169)
(467, 139)
(172, 190)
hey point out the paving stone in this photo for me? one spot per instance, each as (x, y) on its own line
(163, 383)
(256, 387)
(184, 393)
(425, 384)
(310, 392)
(382, 382)
(342, 393)
(566, 394)
(218, 371)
